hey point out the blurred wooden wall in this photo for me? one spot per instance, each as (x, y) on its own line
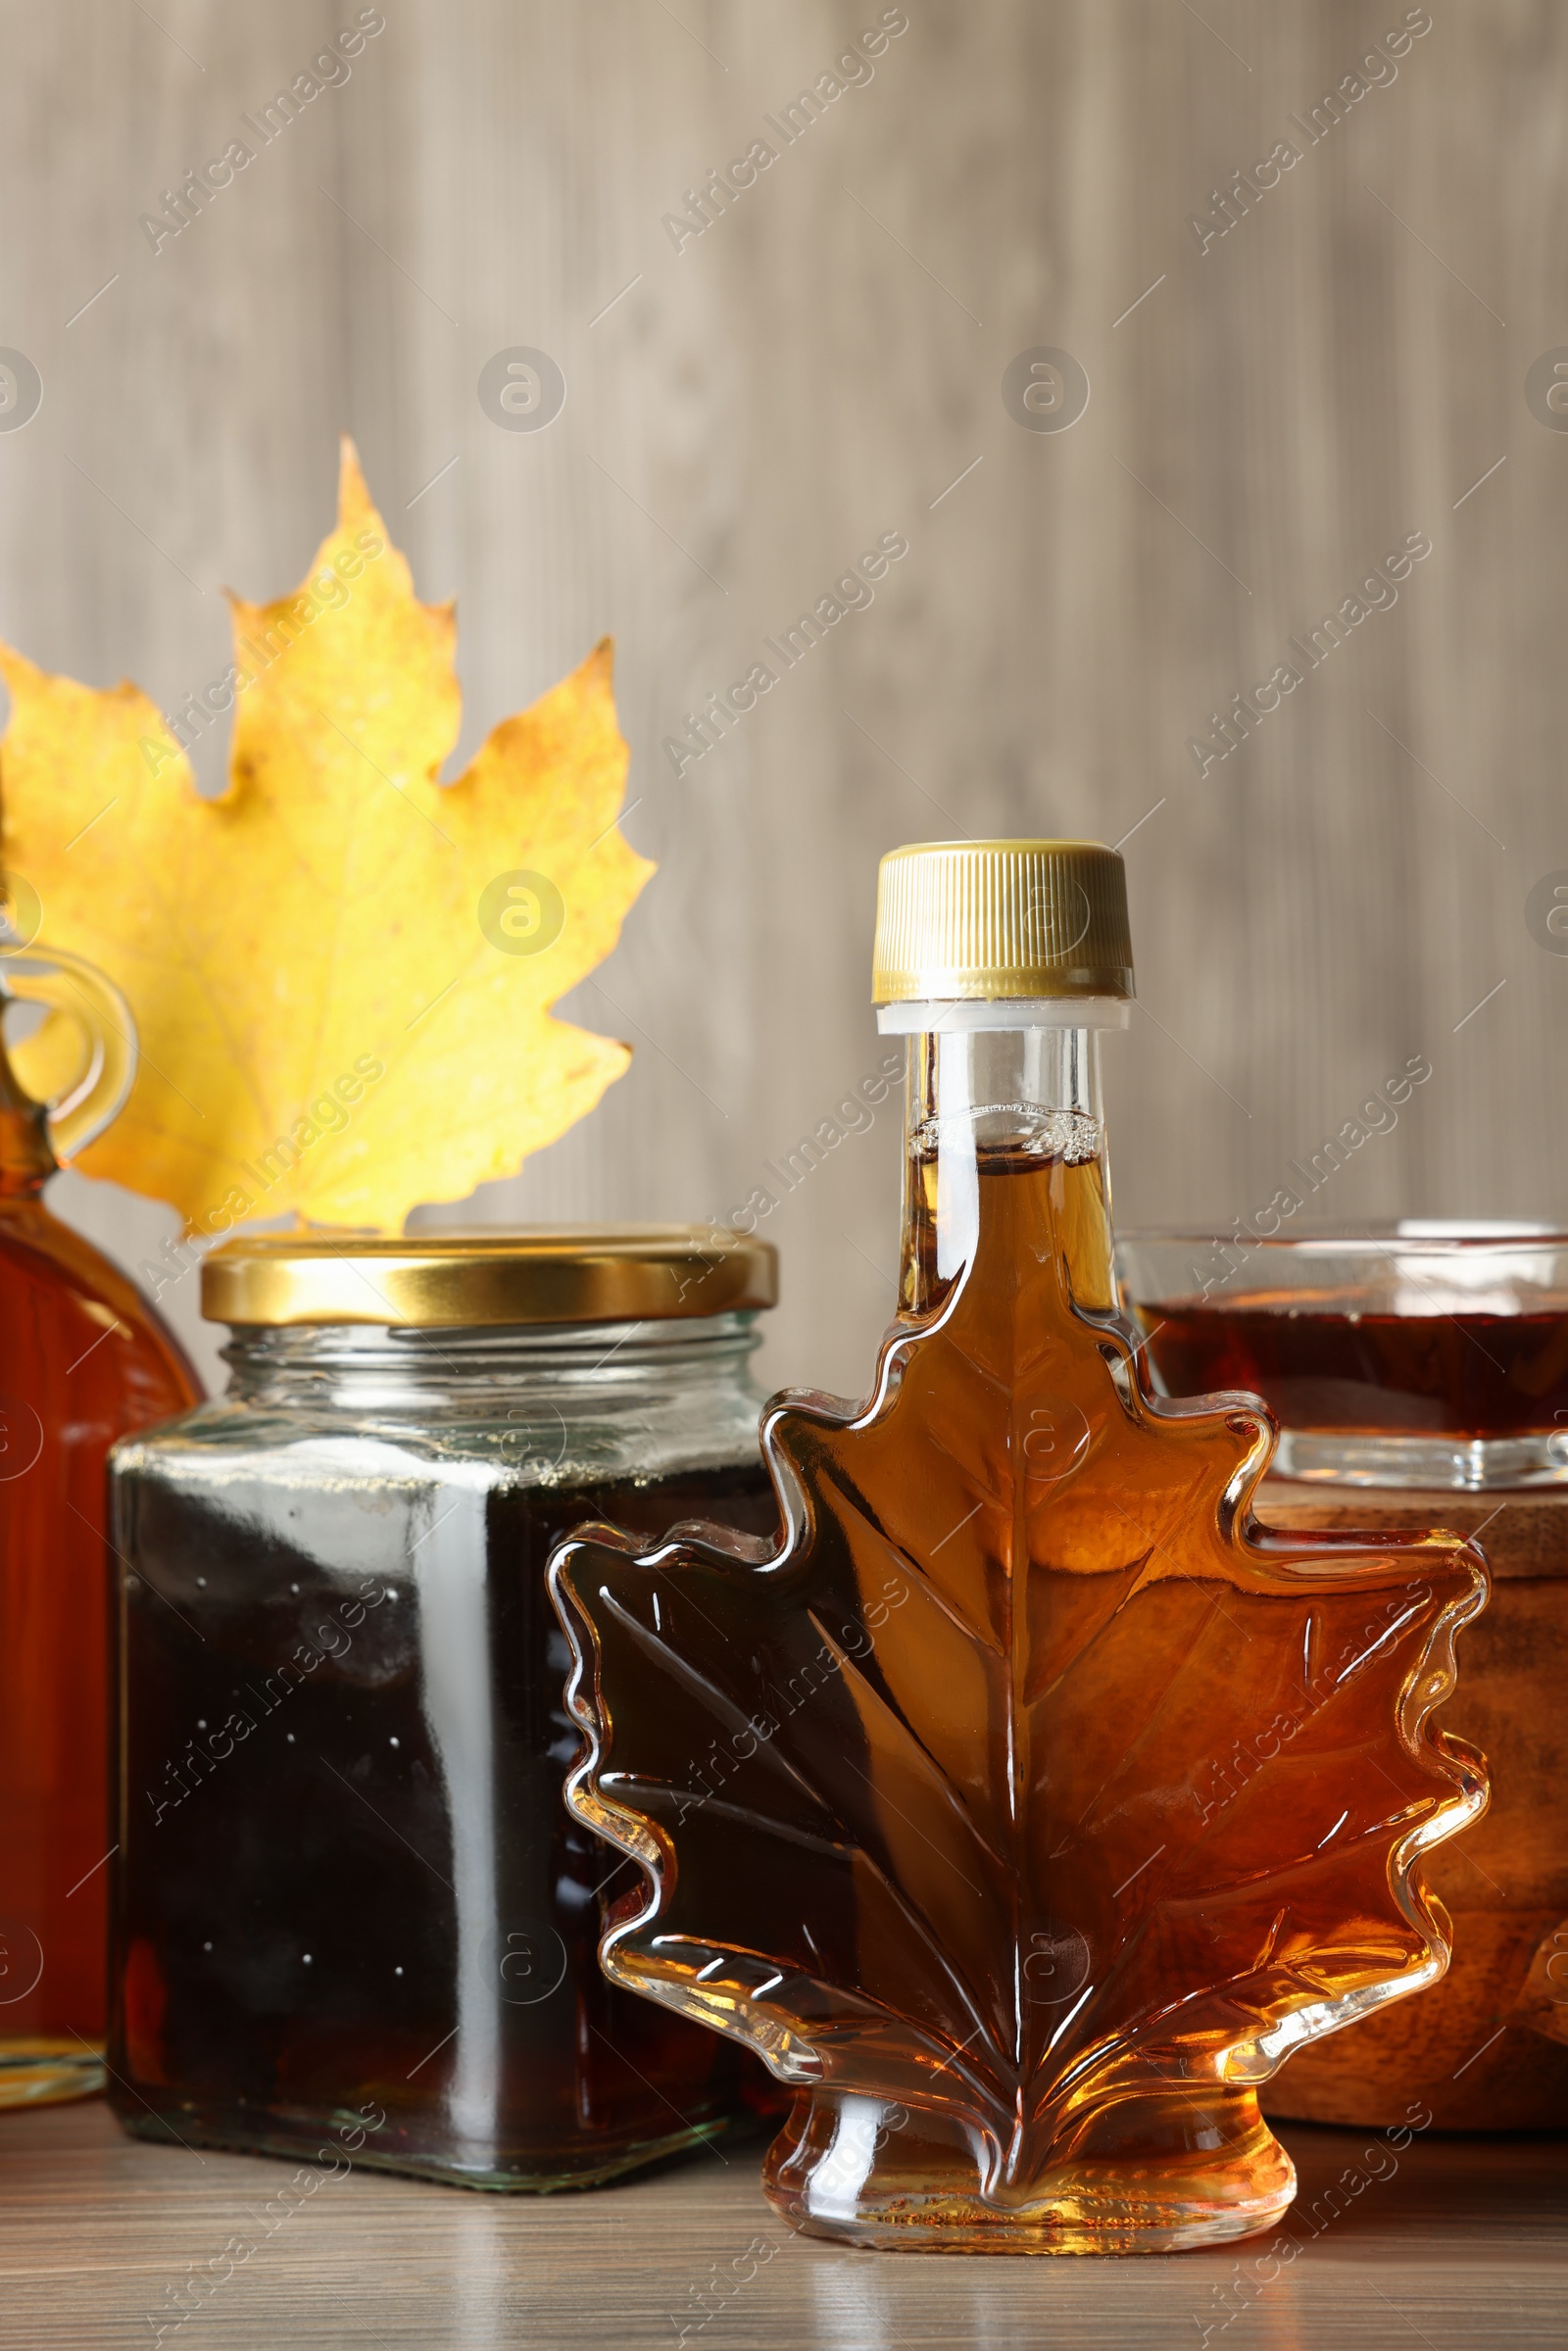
(821, 366)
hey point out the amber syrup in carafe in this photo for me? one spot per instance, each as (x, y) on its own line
(84, 1360)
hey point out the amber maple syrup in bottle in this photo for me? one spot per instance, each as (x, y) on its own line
(1031, 1802)
(84, 1360)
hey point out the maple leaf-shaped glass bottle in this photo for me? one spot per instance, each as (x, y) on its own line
(84, 1360)
(1032, 1802)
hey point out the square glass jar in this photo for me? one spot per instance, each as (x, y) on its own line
(347, 1894)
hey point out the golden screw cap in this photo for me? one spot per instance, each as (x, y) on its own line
(960, 920)
(540, 1274)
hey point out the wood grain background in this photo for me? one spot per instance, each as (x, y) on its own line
(814, 371)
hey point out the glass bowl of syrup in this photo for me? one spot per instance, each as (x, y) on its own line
(1420, 1354)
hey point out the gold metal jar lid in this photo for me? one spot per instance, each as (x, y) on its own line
(962, 920)
(530, 1274)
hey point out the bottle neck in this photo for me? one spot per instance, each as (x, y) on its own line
(27, 1156)
(984, 1104)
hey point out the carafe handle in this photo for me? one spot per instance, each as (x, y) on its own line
(82, 1080)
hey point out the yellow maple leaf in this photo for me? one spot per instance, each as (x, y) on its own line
(341, 972)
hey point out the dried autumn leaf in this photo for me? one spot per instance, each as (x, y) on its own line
(1031, 1781)
(341, 972)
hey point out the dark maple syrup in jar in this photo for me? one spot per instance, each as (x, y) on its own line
(347, 1882)
(351, 1879)
(1322, 1367)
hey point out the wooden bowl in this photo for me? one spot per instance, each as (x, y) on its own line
(1486, 2048)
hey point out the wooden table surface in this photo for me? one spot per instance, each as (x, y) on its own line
(1459, 2245)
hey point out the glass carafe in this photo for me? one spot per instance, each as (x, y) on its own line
(84, 1360)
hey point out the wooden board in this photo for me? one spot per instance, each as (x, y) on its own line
(1523, 1530)
(1455, 2244)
